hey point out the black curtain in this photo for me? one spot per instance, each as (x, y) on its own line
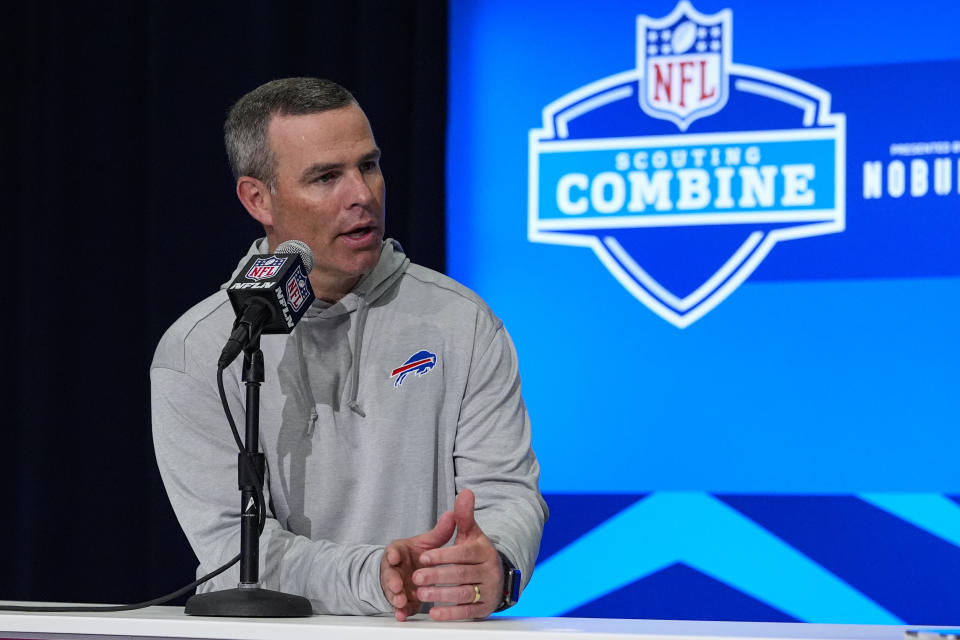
(119, 214)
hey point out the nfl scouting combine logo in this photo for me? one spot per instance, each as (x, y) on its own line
(683, 173)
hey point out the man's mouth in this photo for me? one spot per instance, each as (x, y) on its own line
(359, 232)
(362, 237)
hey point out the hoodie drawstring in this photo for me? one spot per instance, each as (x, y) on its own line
(390, 268)
(308, 388)
(354, 373)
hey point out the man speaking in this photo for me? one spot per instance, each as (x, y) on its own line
(399, 466)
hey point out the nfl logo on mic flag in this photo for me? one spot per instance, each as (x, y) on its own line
(297, 289)
(264, 268)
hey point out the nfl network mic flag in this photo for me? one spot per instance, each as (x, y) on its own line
(282, 276)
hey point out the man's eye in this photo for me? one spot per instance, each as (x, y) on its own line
(324, 178)
(370, 165)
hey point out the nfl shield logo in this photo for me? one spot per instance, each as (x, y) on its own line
(684, 61)
(297, 290)
(264, 268)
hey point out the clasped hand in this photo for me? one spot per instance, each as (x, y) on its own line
(420, 569)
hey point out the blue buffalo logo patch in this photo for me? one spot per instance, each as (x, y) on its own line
(420, 363)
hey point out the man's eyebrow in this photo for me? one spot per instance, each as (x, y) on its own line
(319, 168)
(316, 169)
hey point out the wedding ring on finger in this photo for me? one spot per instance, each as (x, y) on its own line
(476, 594)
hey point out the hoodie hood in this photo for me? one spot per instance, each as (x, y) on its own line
(390, 267)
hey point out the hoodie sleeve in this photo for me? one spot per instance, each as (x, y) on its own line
(493, 454)
(197, 457)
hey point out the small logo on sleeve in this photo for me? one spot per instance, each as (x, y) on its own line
(420, 363)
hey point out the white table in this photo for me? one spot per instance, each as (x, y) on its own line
(171, 622)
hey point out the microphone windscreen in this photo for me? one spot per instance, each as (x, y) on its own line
(301, 249)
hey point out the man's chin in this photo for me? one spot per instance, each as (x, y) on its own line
(362, 261)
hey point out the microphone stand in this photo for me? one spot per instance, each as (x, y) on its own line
(248, 599)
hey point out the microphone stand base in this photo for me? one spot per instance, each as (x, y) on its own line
(249, 603)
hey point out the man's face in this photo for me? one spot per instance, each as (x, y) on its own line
(329, 194)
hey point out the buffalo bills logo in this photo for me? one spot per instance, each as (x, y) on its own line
(420, 363)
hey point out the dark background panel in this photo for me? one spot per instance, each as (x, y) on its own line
(119, 214)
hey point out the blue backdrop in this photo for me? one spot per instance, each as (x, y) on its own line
(722, 236)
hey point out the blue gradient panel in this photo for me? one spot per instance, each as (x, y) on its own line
(705, 534)
(575, 514)
(891, 561)
(681, 593)
(741, 365)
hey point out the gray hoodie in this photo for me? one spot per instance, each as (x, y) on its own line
(361, 449)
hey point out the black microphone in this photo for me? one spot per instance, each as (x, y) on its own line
(269, 295)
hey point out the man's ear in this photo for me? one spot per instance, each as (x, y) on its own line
(256, 199)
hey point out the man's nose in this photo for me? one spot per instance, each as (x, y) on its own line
(361, 191)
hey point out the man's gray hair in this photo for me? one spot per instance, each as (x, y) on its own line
(245, 131)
